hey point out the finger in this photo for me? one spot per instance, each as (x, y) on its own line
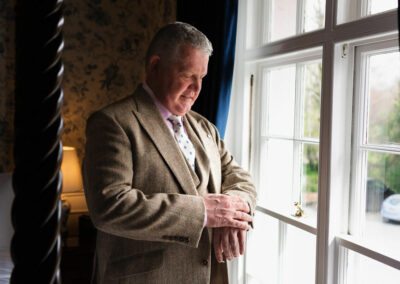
(228, 218)
(241, 205)
(235, 202)
(242, 241)
(238, 224)
(218, 246)
(233, 235)
(214, 197)
(238, 215)
(226, 245)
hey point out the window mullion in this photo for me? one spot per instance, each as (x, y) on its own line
(360, 10)
(358, 197)
(297, 146)
(363, 8)
(282, 251)
(267, 21)
(325, 237)
(300, 16)
(341, 269)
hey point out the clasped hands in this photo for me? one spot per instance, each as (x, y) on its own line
(229, 215)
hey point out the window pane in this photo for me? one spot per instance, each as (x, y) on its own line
(314, 15)
(384, 98)
(283, 19)
(281, 97)
(382, 224)
(277, 176)
(377, 6)
(286, 12)
(279, 253)
(312, 99)
(310, 181)
(262, 251)
(351, 10)
(364, 270)
(300, 254)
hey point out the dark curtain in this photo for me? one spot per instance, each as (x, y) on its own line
(217, 20)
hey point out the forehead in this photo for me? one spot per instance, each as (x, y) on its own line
(189, 57)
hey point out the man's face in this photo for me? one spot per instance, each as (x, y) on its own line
(178, 83)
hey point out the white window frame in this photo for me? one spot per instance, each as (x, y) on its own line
(360, 147)
(335, 133)
(261, 103)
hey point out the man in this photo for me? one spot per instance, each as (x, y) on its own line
(158, 177)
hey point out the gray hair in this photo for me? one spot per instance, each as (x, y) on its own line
(171, 37)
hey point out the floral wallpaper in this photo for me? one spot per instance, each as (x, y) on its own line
(7, 82)
(105, 46)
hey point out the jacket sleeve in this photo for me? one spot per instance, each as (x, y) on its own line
(234, 179)
(116, 207)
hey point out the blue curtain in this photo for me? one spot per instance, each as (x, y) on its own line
(217, 19)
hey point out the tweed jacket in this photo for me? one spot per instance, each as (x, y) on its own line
(146, 201)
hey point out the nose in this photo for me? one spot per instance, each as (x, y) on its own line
(196, 85)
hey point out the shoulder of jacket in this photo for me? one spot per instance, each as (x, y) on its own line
(204, 122)
(116, 109)
(198, 117)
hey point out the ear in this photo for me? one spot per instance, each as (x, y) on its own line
(154, 63)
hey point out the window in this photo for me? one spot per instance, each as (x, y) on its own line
(325, 139)
(376, 155)
(290, 133)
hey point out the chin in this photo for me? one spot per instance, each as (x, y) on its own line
(181, 113)
(182, 110)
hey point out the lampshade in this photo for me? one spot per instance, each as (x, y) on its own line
(71, 171)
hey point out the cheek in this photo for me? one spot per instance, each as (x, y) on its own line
(180, 89)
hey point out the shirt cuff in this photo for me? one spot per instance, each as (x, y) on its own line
(205, 215)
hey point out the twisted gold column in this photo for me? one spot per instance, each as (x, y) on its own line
(36, 210)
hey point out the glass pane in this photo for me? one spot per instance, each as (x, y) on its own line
(312, 99)
(384, 98)
(378, 6)
(309, 181)
(279, 253)
(314, 15)
(281, 97)
(283, 19)
(300, 254)
(277, 175)
(262, 251)
(351, 10)
(382, 224)
(364, 270)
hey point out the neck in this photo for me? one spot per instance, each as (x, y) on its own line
(154, 87)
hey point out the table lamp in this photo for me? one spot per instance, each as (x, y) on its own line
(71, 171)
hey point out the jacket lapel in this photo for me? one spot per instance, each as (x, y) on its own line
(202, 160)
(152, 122)
(203, 139)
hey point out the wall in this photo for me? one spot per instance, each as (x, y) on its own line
(105, 45)
(7, 70)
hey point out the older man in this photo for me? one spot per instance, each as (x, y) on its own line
(166, 196)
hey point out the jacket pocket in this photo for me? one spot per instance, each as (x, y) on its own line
(135, 264)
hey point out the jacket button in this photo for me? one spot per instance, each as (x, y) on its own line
(205, 262)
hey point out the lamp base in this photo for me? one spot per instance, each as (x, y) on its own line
(66, 209)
